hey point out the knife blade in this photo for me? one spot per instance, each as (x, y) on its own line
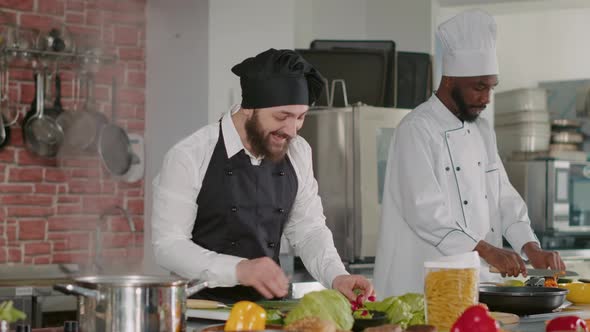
(543, 272)
(204, 304)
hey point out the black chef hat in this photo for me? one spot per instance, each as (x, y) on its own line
(277, 78)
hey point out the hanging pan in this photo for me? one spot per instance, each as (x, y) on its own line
(114, 146)
(42, 134)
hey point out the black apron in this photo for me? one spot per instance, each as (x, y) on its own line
(242, 209)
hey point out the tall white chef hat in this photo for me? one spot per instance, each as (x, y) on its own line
(469, 44)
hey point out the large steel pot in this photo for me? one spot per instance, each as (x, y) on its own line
(131, 303)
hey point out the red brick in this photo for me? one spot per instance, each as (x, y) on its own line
(93, 17)
(135, 126)
(84, 187)
(26, 200)
(118, 224)
(39, 261)
(42, 188)
(36, 248)
(15, 255)
(27, 93)
(11, 233)
(102, 93)
(131, 53)
(25, 175)
(7, 155)
(131, 18)
(59, 245)
(16, 188)
(78, 241)
(41, 22)
(140, 112)
(64, 209)
(26, 158)
(108, 188)
(79, 162)
(86, 173)
(126, 35)
(21, 74)
(132, 96)
(114, 254)
(106, 74)
(135, 206)
(74, 18)
(28, 260)
(138, 221)
(62, 189)
(136, 65)
(16, 138)
(17, 4)
(29, 211)
(67, 223)
(32, 230)
(8, 17)
(85, 33)
(117, 240)
(51, 7)
(75, 5)
(68, 199)
(98, 204)
(55, 175)
(108, 38)
(3, 169)
(132, 185)
(136, 79)
(70, 258)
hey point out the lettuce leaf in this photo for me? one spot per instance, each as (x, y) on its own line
(405, 310)
(327, 304)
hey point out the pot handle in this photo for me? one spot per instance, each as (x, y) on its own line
(77, 290)
(190, 290)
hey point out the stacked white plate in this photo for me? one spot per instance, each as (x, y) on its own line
(522, 121)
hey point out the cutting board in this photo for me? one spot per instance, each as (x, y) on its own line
(505, 318)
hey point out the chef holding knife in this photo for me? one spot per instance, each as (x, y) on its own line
(227, 193)
(446, 191)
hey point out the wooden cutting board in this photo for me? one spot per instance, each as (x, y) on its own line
(505, 318)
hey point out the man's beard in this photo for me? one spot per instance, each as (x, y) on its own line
(261, 143)
(463, 108)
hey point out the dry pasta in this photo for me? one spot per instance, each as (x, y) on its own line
(448, 293)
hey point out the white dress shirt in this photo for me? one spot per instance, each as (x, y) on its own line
(174, 211)
(445, 190)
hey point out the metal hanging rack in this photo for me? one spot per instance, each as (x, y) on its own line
(64, 56)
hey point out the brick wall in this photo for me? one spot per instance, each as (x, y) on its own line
(49, 208)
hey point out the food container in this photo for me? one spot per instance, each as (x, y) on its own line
(527, 99)
(450, 287)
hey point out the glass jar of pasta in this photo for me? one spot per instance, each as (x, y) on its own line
(450, 287)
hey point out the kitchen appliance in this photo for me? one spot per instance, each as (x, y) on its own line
(350, 147)
(556, 193)
(131, 303)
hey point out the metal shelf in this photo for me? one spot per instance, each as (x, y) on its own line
(71, 56)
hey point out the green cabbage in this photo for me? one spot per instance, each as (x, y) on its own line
(405, 310)
(9, 313)
(327, 304)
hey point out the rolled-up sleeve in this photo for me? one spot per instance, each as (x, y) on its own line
(419, 197)
(306, 229)
(173, 218)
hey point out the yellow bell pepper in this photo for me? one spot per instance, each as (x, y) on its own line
(246, 316)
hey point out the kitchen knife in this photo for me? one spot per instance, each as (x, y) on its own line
(543, 272)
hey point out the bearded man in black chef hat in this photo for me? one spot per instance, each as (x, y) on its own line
(226, 194)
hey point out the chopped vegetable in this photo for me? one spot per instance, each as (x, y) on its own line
(246, 316)
(550, 282)
(405, 310)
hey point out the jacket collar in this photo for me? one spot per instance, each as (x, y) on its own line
(447, 120)
(231, 138)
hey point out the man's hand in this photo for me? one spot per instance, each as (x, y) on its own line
(541, 259)
(346, 284)
(264, 275)
(506, 261)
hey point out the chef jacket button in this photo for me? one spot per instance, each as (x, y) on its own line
(479, 163)
(271, 244)
(465, 202)
(233, 243)
(229, 172)
(281, 173)
(280, 210)
(447, 168)
(468, 131)
(492, 229)
(234, 209)
(458, 168)
(486, 196)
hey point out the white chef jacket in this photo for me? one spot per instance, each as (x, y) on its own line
(445, 190)
(174, 210)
